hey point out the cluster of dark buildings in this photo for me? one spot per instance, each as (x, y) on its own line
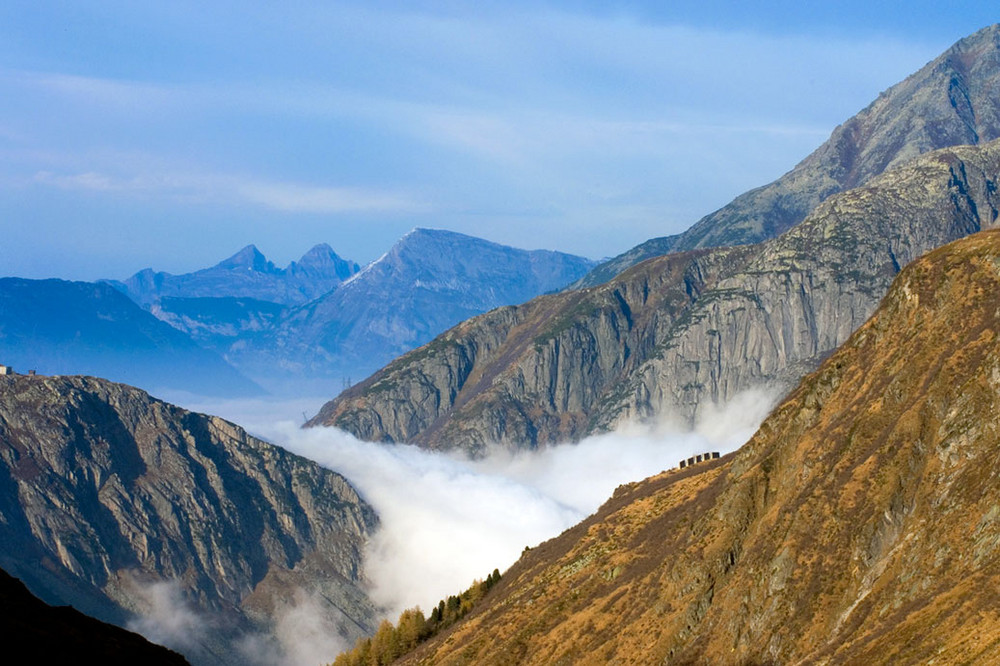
(701, 457)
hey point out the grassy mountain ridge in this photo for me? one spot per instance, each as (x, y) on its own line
(859, 525)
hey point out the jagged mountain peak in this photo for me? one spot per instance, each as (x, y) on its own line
(976, 45)
(248, 258)
(427, 245)
(322, 259)
(423, 236)
(441, 256)
(318, 252)
(428, 281)
(246, 274)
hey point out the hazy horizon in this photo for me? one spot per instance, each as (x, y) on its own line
(169, 135)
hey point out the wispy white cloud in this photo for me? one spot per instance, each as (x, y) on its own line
(302, 634)
(89, 180)
(291, 197)
(222, 188)
(119, 95)
(465, 116)
(165, 616)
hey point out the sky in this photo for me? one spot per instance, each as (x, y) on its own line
(171, 134)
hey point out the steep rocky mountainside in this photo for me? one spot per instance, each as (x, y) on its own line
(218, 323)
(678, 331)
(117, 503)
(43, 634)
(429, 281)
(952, 101)
(247, 274)
(55, 326)
(859, 525)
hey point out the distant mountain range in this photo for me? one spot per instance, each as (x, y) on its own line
(316, 323)
(246, 275)
(688, 329)
(131, 509)
(858, 526)
(81, 328)
(322, 321)
(427, 282)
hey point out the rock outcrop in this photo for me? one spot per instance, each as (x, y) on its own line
(859, 525)
(679, 331)
(133, 510)
(951, 101)
(219, 323)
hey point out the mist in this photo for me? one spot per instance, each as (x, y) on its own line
(303, 634)
(166, 617)
(447, 520)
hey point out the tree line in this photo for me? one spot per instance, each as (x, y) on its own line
(413, 628)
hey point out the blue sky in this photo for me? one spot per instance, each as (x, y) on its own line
(170, 134)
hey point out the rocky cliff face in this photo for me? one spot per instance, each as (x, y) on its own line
(859, 525)
(678, 331)
(951, 101)
(115, 502)
(526, 374)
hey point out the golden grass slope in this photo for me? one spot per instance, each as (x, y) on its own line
(861, 524)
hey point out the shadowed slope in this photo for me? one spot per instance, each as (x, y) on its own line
(82, 328)
(47, 635)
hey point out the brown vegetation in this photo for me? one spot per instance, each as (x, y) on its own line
(392, 642)
(861, 524)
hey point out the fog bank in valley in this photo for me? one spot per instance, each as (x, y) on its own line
(447, 520)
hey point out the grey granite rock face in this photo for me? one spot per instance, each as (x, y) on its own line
(951, 101)
(805, 292)
(676, 332)
(105, 491)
